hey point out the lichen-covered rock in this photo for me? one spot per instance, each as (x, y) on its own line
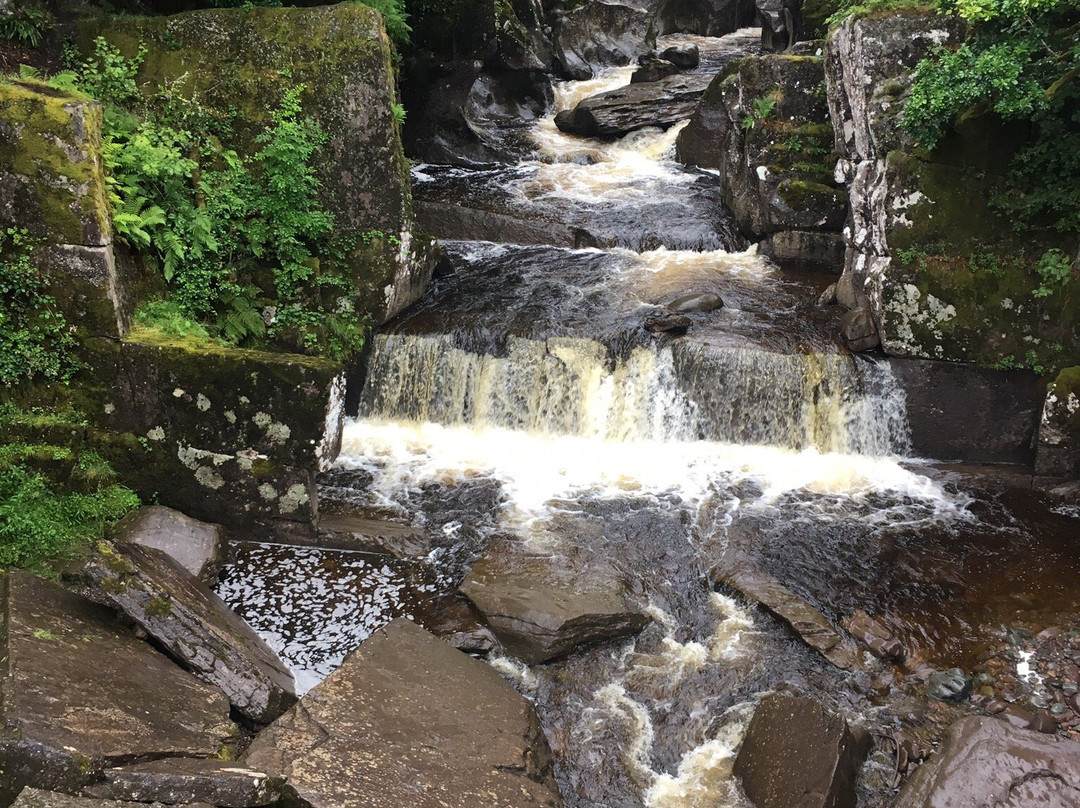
(52, 183)
(82, 693)
(193, 624)
(409, 720)
(542, 607)
(243, 60)
(763, 123)
(601, 34)
(945, 274)
(229, 436)
(1058, 453)
(199, 547)
(36, 798)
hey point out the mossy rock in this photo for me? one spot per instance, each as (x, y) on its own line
(240, 63)
(52, 179)
(1059, 434)
(962, 283)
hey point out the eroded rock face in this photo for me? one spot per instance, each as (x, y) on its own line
(772, 149)
(601, 34)
(617, 112)
(82, 693)
(199, 547)
(542, 607)
(987, 763)
(708, 17)
(798, 754)
(194, 624)
(409, 720)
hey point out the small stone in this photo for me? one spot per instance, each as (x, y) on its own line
(950, 685)
(1059, 709)
(1039, 702)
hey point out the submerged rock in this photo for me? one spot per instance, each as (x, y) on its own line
(798, 754)
(739, 572)
(950, 685)
(875, 636)
(543, 607)
(194, 624)
(617, 112)
(409, 721)
(199, 547)
(986, 763)
(81, 693)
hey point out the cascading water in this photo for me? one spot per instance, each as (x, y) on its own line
(525, 400)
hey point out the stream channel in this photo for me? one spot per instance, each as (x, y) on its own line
(523, 404)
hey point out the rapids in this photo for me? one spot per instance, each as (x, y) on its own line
(523, 399)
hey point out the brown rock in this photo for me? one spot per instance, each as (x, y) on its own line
(409, 721)
(986, 763)
(798, 754)
(34, 798)
(875, 636)
(541, 607)
(175, 781)
(81, 693)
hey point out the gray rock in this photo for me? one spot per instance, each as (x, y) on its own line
(82, 693)
(705, 17)
(35, 798)
(739, 572)
(176, 781)
(684, 57)
(601, 34)
(543, 607)
(1058, 453)
(617, 112)
(986, 763)
(828, 297)
(805, 248)
(199, 547)
(706, 301)
(409, 721)
(859, 331)
(194, 624)
(950, 685)
(798, 754)
(652, 69)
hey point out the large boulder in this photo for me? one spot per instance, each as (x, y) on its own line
(705, 17)
(82, 693)
(799, 754)
(601, 34)
(988, 763)
(544, 607)
(1058, 452)
(52, 184)
(199, 547)
(194, 625)
(245, 59)
(764, 125)
(409, 720)
(618, 112)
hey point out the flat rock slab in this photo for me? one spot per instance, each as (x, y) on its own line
(198, 546)
(737, 571)
(80, 692)
(409, 721)
(618, 112)
(346, 531)
(988, 763)
(188, 780)
(798, 754)
(35, 798)
(194, 624)
(543, 607)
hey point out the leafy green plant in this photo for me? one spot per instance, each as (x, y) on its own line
(35, 339)
(166, 317)
(1054, 268)
(41, 524)
(25, 25)
(395, 18)
(762, 108)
